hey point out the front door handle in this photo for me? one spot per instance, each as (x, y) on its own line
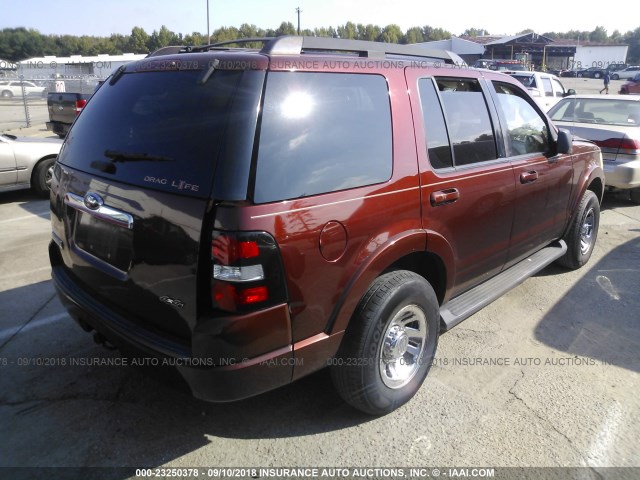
(528, 177)
(443, 197)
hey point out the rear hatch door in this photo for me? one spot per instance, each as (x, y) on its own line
(136, 177)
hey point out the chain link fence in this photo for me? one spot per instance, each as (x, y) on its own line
(23, 100)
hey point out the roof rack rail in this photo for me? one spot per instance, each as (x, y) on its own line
(295, 45)
(170, 50)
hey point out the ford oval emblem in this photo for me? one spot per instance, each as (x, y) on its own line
(93, 201)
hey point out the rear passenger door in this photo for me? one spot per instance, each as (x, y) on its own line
(467, 184)
(543, 179)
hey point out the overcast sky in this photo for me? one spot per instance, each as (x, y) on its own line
(102, 18)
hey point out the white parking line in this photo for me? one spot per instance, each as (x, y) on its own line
(22, 274)
(25, 217)
(10, 332)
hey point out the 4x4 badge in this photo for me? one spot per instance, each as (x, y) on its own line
(172, 301)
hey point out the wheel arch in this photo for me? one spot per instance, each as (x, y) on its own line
(596, 185)
(37, 164)
(591, 179)
(406, 253)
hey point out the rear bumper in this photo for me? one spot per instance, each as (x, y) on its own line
(206, 378)
(58, 128)
(622, 175)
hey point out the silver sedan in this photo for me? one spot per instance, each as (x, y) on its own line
(27, 162)
(613, 123)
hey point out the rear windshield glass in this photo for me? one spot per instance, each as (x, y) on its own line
(169, 131)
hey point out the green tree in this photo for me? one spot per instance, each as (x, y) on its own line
(195, 38)
(138, 41)
(392, 33)
(475, 32)
(616, 37)
(414, 35)
(371, 32)
(163, 38)
(599, 35)
(431, 34)
(632, 38)
(249, 31)
(348, 31)
(224, 34)
(119, 42)
(285, 28)
(325, 32)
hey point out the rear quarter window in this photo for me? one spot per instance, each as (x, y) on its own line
(470, 129)
(322, 132)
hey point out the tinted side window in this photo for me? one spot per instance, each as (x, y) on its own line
(435, 130)
(470, 128)
(528, 132)
(322, 132)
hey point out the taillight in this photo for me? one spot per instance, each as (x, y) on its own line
(80, 105)
(626, 145)
(247, 271)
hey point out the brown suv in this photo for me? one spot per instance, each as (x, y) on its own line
(248, 217)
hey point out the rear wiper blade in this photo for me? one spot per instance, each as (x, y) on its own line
(117, 156)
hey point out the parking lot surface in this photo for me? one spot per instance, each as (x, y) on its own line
(547, 376)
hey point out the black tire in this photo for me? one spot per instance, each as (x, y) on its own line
(615, 76)
(583, 232)
(6, 94)
(382, 363)
(634, 195)
(41, 177)
(597, 75)
(579, 75)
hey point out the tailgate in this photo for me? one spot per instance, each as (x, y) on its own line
(136, 252)
(62, 107)
(134, 181)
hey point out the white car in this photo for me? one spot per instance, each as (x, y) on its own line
(613, 123)
(14, 88)
(27, 163)
(627, 73)
(545, 88)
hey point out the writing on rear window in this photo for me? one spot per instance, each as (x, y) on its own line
(178, 184)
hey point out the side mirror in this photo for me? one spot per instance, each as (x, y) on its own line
(565, 142)
(570, 92)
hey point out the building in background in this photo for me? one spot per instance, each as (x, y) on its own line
(536, 52)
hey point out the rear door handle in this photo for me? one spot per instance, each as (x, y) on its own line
(443, 197)
(528, 177)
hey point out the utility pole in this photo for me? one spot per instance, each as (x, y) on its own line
(298, 12)
(208, 34)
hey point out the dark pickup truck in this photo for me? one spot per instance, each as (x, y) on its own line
(63, 108)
